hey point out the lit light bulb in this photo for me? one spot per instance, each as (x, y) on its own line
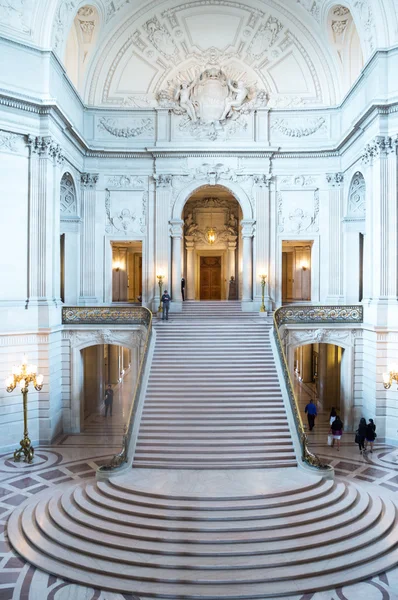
(9, 381)
(39, 379)
(386, 377)
(22, 384)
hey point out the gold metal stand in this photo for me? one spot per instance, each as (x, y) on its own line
(263, 282)
(24, 375)
(160, 284)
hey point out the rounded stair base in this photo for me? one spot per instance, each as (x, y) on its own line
(210, 535)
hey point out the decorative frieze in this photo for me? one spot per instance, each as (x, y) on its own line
(135, 128)
(321, 336)
(131, 182)
(299, 127)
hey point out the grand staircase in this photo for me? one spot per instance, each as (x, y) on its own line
(202, 519)
(213, 399)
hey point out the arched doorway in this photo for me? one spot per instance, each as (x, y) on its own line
(212, 255)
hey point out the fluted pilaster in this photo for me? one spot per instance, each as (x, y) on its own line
(335, 288)
(87, 267)
(247, 259)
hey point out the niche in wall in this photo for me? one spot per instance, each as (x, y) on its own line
(126, 271)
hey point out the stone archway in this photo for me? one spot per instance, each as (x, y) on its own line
(213, 183)
(79, 340)
(294, 338)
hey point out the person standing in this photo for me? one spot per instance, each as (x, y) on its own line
(108, 400)
(360, 435)
(370, 435)
(183, 288)
(165, 305)
(333, 415)
(337, 431)
(310, 410)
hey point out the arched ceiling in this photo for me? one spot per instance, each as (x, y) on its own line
(281, 45)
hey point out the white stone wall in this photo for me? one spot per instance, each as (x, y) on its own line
(291, 172)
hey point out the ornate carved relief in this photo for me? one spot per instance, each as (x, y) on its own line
(380, 146)
(125, 220)
(321, 336)
(46, 146)
(298, 181)
(161, 39)
(356, 208)
(213, 103)
(126, 181)
(89, 180)
(130, 339)
(10, 141)
(335, 179)
(298, 127)
(298, 220)
(313, 7)
(17, 14)
(137, 127)
(265, 37)
(68, 202)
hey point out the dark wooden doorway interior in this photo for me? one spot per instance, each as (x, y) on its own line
(210, 277)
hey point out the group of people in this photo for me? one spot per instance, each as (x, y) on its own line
(365, 434)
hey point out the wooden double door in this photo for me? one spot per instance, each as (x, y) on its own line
(210, 277)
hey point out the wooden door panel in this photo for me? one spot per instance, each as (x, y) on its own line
(210, 278)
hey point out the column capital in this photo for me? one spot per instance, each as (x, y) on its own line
(163, 181)
(380, 146)
(262, 180)
(335, 179)
(46, 146)
(89, 180)
(247, 227)
(176, 228)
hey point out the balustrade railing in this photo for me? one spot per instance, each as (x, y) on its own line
(294, 315)
(110, 315)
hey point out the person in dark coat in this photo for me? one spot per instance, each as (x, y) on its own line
(360, 435)
(108, 400)
(165, 305)
(370, 435)
(337, 431)
(310, 410)
(183, 288)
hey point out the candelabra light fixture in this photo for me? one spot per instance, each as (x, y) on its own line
(391, 376)
(23, 376)
(263, 282)
(160, 279)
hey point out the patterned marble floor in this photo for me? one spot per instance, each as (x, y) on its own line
(76, 458)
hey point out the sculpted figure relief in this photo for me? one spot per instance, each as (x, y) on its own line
(183, 95)
(211, 97)
(235, 102)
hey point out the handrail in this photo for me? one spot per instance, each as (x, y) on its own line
(286, 315)
(117, 316)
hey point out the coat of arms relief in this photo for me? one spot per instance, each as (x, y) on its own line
(213, 103)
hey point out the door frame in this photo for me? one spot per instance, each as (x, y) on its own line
(223, 254)
(315, 266)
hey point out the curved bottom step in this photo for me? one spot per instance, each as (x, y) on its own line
(210, 535)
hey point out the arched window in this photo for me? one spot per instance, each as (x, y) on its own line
(344, 37)
(356, 207)
(80, 43)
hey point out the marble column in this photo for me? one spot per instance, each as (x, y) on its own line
(87, 254)
(43, 281)
(262, 241)
(247, 261)
(335, 287)
(381, 157)
(176, 231)
(190, 248)
(162, 239)
(114, 363)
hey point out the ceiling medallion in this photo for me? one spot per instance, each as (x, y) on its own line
(213, 103)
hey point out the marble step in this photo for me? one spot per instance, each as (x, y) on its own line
(113, 536)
